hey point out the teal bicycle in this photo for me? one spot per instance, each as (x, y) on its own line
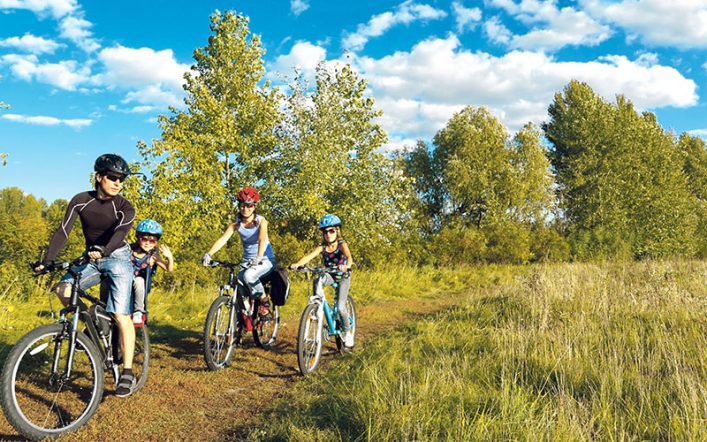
(320, 322)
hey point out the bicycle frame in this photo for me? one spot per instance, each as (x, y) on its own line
(319, 297)
(80, 312)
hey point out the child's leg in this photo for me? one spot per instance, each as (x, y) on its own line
(342, 295)
(139, 294)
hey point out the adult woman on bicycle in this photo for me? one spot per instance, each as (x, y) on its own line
(257, 250)
(337, 256)
(106, 218)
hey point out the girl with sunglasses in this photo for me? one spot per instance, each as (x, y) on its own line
(337, 256)
(258, 256)
(146, 258)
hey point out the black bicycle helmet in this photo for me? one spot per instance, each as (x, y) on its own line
(109, 162)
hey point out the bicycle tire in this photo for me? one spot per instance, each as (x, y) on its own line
(309, 340)
(141, 359)
(265, 332)
(37, 405)
(219, 334)
(351, 308)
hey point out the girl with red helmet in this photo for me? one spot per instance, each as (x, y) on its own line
(336, 255)
(257, 250)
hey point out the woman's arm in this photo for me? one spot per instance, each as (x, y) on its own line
(262, 237)
(218, 245)
(310, 256)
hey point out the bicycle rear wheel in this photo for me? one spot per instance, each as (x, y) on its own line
(41, 404)
(265, 331)
(351, 308)
(219, 334)
(141, 359)
(309, 340)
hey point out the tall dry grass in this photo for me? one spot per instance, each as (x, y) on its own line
(614, 352)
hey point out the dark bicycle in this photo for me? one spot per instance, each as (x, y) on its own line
(53, 378)
(232, 314)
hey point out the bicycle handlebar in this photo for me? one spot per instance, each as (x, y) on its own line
(53, 266)
(230, 265)
(319, 270)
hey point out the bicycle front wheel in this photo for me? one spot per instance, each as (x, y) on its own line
(265, 330)
(40, 403)
(219, 334)
(141, 359)
(309, 340)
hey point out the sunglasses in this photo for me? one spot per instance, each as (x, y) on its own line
(248, 205)
(116, 178)
(148, 239)
(329, 231)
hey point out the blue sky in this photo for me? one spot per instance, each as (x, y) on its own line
(89, 77)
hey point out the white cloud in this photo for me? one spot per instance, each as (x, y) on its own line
(553, 28)
(675, 23)
(76, 29)
(421, 89)
(41, 120)
(466, 18)
(67, 74)
(56, 8)
(406, 13)
(497, 32)
(303, 56)
(31, 43)
(133, 110)
(130, 68)
(702, 133)
(153, 95)
(299, 6)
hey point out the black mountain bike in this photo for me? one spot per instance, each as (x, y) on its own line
(231, 314)
(53, 378)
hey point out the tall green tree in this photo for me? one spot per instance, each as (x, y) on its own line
(478, 177)
(694, 155)
(219, 143)
(620, 177)
(329, 160)
(23, 229)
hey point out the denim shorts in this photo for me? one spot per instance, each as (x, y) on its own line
(119, 271)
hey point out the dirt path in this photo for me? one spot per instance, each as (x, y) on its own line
(183, 401)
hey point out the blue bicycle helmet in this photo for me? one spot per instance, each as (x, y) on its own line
(149, 227)
(329, 220)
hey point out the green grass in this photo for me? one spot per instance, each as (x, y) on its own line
(186, 309)
(562, 352)
(566, 352)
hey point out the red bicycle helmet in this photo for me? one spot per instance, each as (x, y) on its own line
(248, 195)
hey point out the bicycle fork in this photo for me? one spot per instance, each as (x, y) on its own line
(58, 344)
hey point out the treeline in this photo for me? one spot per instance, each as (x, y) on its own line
(598, 180)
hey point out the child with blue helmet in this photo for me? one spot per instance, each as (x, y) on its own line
(336, 255)
(146, 259)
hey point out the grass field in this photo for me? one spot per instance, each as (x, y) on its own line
(566, 352)
(614, 351)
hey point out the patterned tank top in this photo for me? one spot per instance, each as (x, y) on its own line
(334, 259)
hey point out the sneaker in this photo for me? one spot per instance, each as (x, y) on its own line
(349, 339)
(138, 319)
(126, 385)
